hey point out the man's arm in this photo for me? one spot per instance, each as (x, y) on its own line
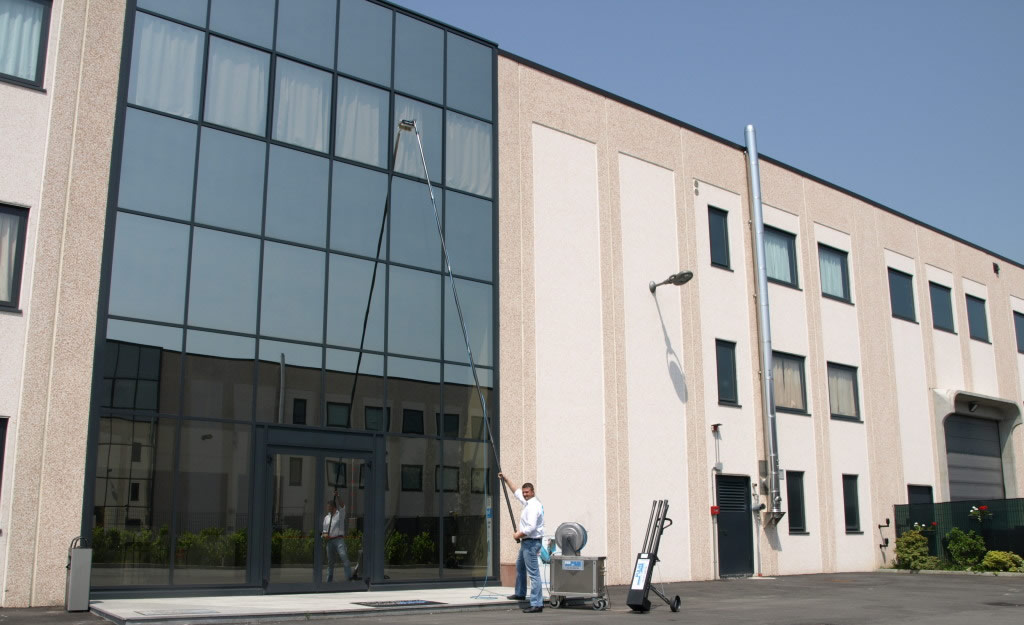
(508, 482)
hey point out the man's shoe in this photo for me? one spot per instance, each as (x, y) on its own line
(516, 598)
(533, 609)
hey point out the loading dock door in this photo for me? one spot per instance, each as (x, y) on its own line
(973, 458)
(735, 526)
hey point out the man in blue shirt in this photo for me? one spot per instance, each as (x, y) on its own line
(531, 530)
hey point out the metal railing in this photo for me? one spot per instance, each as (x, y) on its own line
(1002, 528)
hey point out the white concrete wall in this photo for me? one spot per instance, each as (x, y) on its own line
(982, 353)
(948, 363)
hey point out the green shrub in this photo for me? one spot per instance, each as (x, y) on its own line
(354, 545)
(396, 547)
(965, 550)
(424, 550)
(912, 550)
(1002, 561)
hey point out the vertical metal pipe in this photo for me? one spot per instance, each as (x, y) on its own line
(764, 330)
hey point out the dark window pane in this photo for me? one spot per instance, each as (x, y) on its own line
(349, 305)
(300, 378)
(225, 281)
(780, 256)
(942, 307)
(251, 20)
(851, 505)
(237, 80)
(977, 320)
(297, 197)
(918, 495)
(148, 275)
(362, 123)
(832, 267)
(725, 353)
(477, 311)
(788, 382)
(412, 477)
(355, 393)
(375, 419)
(219, 375)
(229, 193)
(412, 421)
(146, 357)
(410, 514)
(468, 235)
(166, 66)
(469, 76)
(302, 105)
(1018, 325)
(718, 232)
(428, 121)
(292, 305)
(449, 426)
(461, 394)
(414, 239)
(357, 210)
(157, 165)
(447, 479)
(305, 28)
(842, 391)
(24, 25)
(299, 411)
(468, 154)
(414, 318)
(467, 485)
(364, 41)
(419, 58)
(795, 501)
(192, 11)
(339, 415)
(901, 295)
(13, 228)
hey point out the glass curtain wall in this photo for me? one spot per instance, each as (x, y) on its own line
(275, 262)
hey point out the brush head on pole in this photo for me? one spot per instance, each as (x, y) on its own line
(407, 124)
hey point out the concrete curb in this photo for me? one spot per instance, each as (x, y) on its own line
(936, 572)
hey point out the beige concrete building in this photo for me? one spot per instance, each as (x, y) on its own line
(166, 327)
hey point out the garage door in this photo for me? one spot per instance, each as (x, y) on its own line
(972, 453)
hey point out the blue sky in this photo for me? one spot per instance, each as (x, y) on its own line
(915, 104)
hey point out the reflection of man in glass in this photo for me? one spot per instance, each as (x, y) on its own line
(334, 537)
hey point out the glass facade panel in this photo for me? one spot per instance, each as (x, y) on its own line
(219, 375)
(414, 313)
(476, 300)
(157, 165)
(302, 105)
(213, 503)
(419, 58)
(364, 41)
(225, 281)
(361, 127)
(412, 511)
(469, 235)
(292, 305)
(428, 121)
(166, 66)
(468, 155)
(250, 20)
(414, 239)
(354, 318)
(141, 367)
(305, 29)
(236, 87)
(297, 197)
(191, 11)
(462, 399)
(469, 76)
(357, 210)
(229, 192)
(352, 384)
(289, 372)
(466, 487)
(148, 278)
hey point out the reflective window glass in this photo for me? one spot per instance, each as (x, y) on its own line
(468, 235)
(842, 392)
(834, 273)
(219, 375)
(414, 315)
(419, 58)
(468, 154)
(24, 26)
(225, 281)
(461, 397)
(166, 62)
(780, 256)
(349, 304)
(725, 353)
(901, 295)
(357, 210)
(251, 20)
(476, 300)
(142, 365)
(414, 239)
(191, 11)
(297, 197)
(977, 320)
(362, 123)
(467, 482)
(469, 76)
(942, 307)
(412, 421)
(302, 105)
(428, 120)
(229, 192)
(718, 234)
(292, 305)
(148, 276)
(305, 29)
(236, 86)
(300, 380)
(409, 508)
(788, 383)
(364, 41)
(157, 165)
(13, 229)
(351, 380)
(1018, 327)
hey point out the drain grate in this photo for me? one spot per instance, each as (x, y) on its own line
(396, 604)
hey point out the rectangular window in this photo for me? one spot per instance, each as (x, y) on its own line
(376, 419)
(299, 411)
(338, 415)
(842, 392)
(942, 307)
(917, 495)
(412, 421)
(295, 471)
(450, 427)
(450, 477)
(977, 321)
(412, 477)
(725, 352)
(718, 232)
(788, 383)
(13, 223)
(133, 493)
(901, 295)
(851, 503)
(24, 29)
(1018, 324)
(795, 501)
(136, 452)
(780, 256)
(834, 272)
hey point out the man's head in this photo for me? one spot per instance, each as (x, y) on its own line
(528, 491)
(331, 506)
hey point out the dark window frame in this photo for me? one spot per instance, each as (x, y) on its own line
(844, 262)
(21, 214)
(856, 392)
(791, 245)
(900, 275)
(1018, 326)
(439, 472)
(851, 503)
(295, 471)
(338, 405)
(719, 345)
(443, 420)
(44, 39)
(803, 382)
(717, 213)
(408, 421)
(973, 320)
(411, 488)
(796, 502)
(933, 288)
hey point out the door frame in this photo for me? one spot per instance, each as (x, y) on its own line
(749, 512)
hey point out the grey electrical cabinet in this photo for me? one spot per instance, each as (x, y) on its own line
(76, 591)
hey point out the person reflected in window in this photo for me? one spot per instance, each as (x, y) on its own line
(334, 537)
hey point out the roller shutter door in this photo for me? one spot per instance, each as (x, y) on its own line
(974, 459)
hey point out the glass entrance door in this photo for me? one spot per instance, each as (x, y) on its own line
(317, 506)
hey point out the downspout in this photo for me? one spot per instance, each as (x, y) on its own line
(764, 331)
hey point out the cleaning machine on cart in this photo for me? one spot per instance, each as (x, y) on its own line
(574, 576)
